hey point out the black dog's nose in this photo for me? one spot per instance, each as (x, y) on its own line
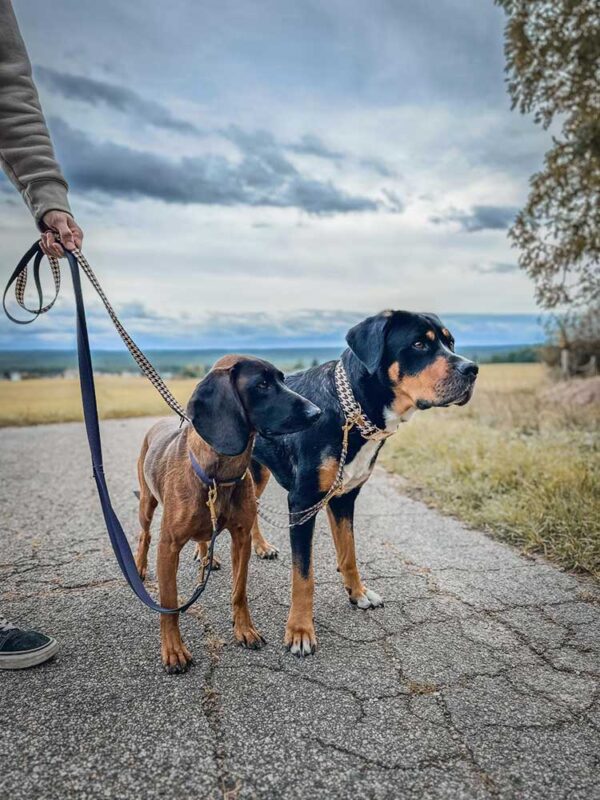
(467, 368)
(313, 412)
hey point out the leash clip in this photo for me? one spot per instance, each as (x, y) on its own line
(211, 503)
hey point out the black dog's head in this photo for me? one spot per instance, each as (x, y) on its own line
(241, 396)
(414, 355)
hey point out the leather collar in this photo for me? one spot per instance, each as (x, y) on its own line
(205, 477)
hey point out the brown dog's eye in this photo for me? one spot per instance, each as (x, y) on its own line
(420, 346)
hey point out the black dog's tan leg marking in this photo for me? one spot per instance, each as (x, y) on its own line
(201, 555)
(147, 507)
(175, 656)
(262, 548)
(243, 627)
(300, 637)
(341, 519)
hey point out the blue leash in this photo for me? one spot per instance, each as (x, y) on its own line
(117, 536)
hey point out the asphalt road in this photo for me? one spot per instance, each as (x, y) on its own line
(479, 678)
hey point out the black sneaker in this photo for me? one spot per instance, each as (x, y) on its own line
(20, 649)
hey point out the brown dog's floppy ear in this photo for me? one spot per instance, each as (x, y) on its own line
(217, 413)
(367, 340)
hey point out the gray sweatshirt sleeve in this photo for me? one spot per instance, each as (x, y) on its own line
(26, 153)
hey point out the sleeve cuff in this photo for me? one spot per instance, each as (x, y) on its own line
(44, 196)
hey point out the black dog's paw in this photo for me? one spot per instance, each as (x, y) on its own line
(367, 599)
(301, 641)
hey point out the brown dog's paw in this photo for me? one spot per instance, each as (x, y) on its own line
(142, 569)
(216, 563)
(176, 658)
(301, 640)
(249, 637)
(200, 554)
(266, 551)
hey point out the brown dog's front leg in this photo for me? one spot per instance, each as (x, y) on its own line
(175, 656)
(243, 628)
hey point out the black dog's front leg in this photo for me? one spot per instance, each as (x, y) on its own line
(341, 519)
(300, 637)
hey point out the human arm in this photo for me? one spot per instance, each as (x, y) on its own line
(26, 152)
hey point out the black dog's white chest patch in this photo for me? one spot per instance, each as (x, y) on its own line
(361, 466)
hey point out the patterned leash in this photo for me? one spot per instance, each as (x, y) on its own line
(354, 417)
(147, 369)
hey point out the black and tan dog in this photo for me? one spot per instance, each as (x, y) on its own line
(396, 362)
(239, 397)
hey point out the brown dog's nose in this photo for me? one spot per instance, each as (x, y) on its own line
(467, 368)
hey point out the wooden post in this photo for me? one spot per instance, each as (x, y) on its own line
(565, 363)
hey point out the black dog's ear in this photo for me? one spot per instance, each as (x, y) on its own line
(217, 413)
(367, 340)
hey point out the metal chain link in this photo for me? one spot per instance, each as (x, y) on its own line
(351, 407)
(354, 417)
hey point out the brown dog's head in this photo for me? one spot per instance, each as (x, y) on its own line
(413, 357)
(241, 396)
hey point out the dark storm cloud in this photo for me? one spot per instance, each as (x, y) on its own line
(263, 176)
(311, 145)
(394, 202)
(94, 92)
(378, 167)
(480, 218)
(120, 98)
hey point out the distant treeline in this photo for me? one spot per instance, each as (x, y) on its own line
(523, 355)
(195, 363)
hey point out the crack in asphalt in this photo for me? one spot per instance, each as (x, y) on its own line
(456, 665)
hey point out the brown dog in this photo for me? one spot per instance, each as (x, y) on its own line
(239, 397)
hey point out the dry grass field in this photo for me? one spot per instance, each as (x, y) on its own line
(32, 402)
(510, 462)
(522, 467)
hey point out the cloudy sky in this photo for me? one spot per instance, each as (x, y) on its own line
(265, 171)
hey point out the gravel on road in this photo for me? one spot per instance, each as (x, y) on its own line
(479, 678)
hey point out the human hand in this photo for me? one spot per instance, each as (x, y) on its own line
(71, 235)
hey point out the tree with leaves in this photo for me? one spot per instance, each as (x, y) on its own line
(552, 50)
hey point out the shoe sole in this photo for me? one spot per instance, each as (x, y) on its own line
(30, 658)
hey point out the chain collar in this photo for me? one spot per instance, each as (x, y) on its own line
(351, 407)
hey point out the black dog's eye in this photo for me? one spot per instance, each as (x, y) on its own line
(419, 345)
(263, 385)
